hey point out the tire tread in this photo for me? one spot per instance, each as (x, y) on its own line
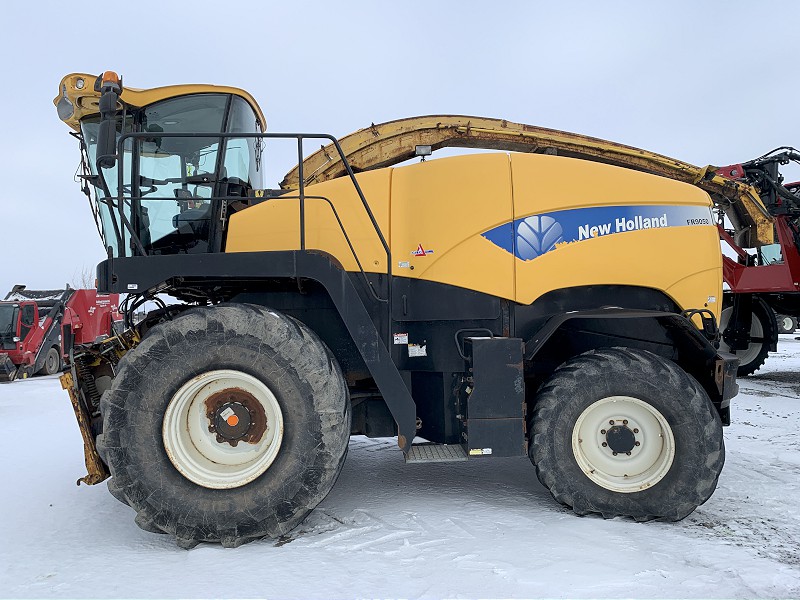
(309, 355)
(594, 363)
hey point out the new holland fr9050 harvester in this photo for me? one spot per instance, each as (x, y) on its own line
(544, 302)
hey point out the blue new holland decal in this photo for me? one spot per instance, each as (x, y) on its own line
(530, 237)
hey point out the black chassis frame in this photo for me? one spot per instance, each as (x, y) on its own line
(359, 327)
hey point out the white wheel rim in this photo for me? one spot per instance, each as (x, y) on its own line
(197, 452)
(756, 330)
(646, 462)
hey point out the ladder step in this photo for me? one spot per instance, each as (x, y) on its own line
(432, 453)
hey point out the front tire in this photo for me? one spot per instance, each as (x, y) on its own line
(622, 432)
(226, 424)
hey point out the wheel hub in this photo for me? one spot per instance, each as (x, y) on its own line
(236, 416)
(232, 420)
(620, 439)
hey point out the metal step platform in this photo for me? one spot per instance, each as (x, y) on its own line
(433, 453)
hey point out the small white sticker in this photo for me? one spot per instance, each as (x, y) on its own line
(227, 413)
(711, 300)
(404, 264)
(400, 338)
(417, 350)
(133, 286)
(479, 451)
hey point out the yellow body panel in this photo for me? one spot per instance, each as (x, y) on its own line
(438, 217)
(662, 259)
(548, 183)
(658, 258)
(275, 223)
(444, 206)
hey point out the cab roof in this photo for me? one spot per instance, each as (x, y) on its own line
(78, 90)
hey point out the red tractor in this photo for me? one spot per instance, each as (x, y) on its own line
(764, 281)
(38, 329)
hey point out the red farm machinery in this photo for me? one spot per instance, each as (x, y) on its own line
(764, 280)
(40, 328)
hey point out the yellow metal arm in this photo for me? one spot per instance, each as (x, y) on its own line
(390, 143)
(95, 468)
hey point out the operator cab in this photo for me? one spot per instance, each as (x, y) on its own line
(173, 186)
(16, 322)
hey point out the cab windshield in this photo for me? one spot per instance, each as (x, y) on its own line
(173, 183)
(8, 326)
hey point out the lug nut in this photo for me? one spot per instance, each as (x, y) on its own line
(611, 422)
(602, 432)
(220, 439)
(604, 444)
(638, 444)
(635, 430)
(211, 429)
(624, 421)
(628, 453)
(614, 453)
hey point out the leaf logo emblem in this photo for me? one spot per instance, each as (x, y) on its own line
(537, 235)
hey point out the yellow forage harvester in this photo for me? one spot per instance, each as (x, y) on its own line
(558, 300)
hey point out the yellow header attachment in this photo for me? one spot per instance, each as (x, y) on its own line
(77, 97)
(393, 142)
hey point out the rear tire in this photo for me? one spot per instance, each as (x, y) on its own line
(762, 333)
(666, 433)
(52, 362)
(786, 324)
(180, 387)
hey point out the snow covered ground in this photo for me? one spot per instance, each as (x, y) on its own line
(478, 529)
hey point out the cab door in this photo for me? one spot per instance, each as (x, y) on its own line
(28, 318)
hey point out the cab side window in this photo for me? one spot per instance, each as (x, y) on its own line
(27, 319)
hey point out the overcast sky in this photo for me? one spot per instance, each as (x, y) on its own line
(705, 82)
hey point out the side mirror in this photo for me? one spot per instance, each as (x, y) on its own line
(107, 143)
(109, 85)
